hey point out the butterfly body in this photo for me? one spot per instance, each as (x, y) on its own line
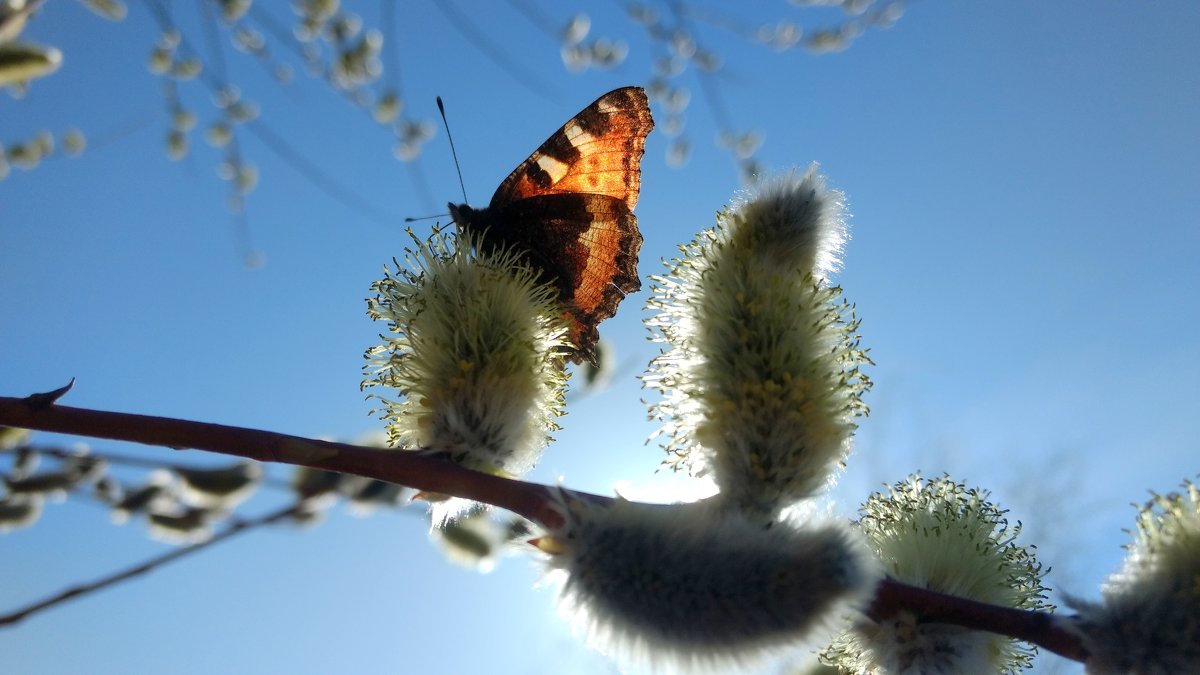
(568, 211)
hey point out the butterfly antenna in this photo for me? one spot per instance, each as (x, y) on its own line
(453, 153)
(413, 219)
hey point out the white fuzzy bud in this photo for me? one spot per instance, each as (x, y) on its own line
(1149, 621)
(760, 383)
(181, 525)
(219, 489)
(12, 437)
(696, 587)
(19, 511)
(155, 495)
(473, 540)
(74, 472)
(366, 495)
(800, 223)
(476, 355)
(939, 535)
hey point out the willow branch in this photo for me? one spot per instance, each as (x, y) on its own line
(414, 469)
(80, 590)
(1048, 631)
(531, 500)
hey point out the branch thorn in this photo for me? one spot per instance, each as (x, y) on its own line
(49, 398)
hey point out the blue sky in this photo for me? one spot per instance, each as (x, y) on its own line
(1024, 179)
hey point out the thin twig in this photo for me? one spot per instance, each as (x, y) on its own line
(535, 16)
(479, 39)
(391, 54)
(313, 174)
(115, 458)
(148, 566)
(282, 149)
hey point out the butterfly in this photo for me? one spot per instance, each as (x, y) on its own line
(568, 211)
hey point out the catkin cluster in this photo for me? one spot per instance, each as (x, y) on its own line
(759, 387)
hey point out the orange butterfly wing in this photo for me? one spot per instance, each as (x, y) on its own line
(599, 151)
(569, 208)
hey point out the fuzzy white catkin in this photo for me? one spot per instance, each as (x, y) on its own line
(689, 587)
(761, 381)
(19, 511)
(218, 489)
(1149, 621)
(475, 353)
(940, 535)
(802, 223)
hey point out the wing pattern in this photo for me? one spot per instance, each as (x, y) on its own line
(569, 209)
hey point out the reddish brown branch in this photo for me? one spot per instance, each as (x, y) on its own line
(413, 469)
(1038, 628)
(436, 475)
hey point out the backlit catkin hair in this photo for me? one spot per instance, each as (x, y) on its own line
(475, 353)
(940, 535)
(760, 383)
(694, 587)
(1149, 621)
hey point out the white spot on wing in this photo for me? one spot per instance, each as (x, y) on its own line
(554, 168)
(577, 135)
(609, 104)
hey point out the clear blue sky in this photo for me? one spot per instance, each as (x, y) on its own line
(1025, 184)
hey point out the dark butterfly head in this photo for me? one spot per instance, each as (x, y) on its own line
(462, 215)
(476, 222)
